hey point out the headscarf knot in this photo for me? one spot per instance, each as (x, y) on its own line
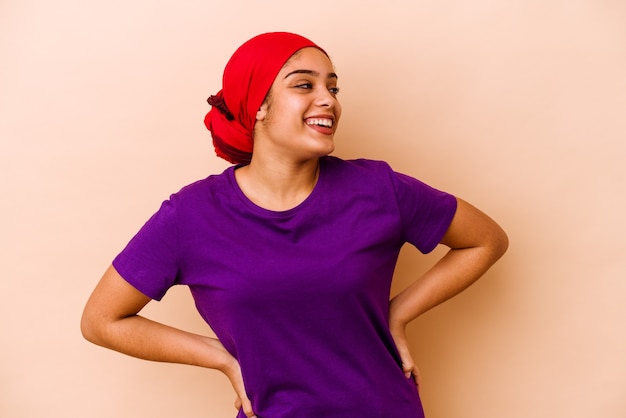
(219, 103)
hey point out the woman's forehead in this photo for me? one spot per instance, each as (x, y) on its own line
(308, 60)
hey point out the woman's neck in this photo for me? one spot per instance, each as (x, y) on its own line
(277, 185)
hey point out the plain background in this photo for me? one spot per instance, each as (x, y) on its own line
(518, 106)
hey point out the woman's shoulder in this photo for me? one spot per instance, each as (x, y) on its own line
(201, 189)
(370, 177)
(361, 166)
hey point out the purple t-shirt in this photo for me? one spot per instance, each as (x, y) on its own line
(299, 297)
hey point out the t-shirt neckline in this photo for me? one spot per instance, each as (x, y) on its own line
(273, 213)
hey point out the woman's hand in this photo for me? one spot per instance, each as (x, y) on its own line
(398, 332)
(232, 370)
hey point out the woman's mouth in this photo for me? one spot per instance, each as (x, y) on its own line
(328, 123)
(321, 125)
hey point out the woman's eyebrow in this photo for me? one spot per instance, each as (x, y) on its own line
(311, 72)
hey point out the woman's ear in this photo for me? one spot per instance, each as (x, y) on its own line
(261, 114)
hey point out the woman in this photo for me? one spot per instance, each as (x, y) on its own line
(289, 253)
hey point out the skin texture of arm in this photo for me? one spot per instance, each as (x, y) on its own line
(110, 319)
(476, 242)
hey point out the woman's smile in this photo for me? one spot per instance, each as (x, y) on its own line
(321, 124)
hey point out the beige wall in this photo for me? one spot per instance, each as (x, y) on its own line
(518, 106)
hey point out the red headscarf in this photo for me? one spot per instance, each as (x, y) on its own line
(248, 76)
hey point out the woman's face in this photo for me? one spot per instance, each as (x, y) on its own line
(300, 116)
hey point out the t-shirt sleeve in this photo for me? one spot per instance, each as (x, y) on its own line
(425, 212)
(150, 261)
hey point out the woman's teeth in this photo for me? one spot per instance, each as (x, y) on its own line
(321, 122)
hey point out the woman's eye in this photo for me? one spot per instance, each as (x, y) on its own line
(309, 86)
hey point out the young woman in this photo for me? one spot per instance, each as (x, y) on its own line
(289, 253)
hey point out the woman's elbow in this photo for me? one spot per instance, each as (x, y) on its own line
(96, 324)
(112, 300)
(499, 243)
(89, 326)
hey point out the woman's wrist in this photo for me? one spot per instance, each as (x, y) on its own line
(396, 321)
(218, 357)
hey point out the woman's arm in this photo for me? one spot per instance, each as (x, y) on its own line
(110, 319)
(476, 242)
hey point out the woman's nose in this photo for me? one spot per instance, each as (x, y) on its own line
(326, 99)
